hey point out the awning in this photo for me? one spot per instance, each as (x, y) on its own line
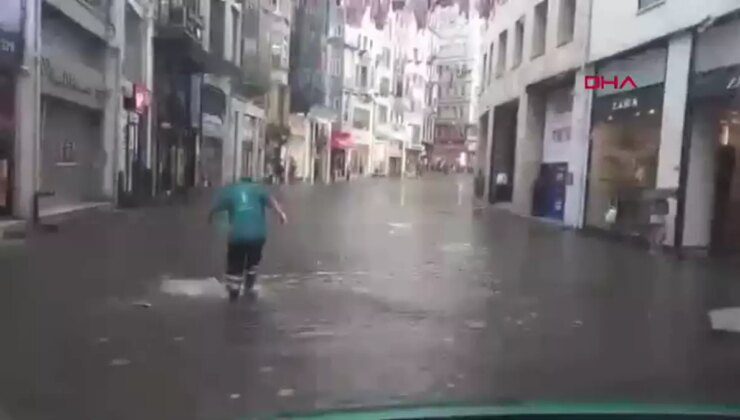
(341, 140)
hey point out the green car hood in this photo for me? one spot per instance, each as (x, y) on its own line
(614, 410)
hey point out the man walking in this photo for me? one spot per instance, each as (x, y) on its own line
(245, 202)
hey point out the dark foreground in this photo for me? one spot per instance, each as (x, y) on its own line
(378, 292)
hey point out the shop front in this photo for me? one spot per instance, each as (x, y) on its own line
(341, 149)
(211, 149)
(623, 163)
(7, 136)
(712, 202)
(73, 157)
(178, 130)
(11, 52)
(550, 186)
(134, 180)
(395, 158)
(413, 161)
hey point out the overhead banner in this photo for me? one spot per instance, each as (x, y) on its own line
(11, 32)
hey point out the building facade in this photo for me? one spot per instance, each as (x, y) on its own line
(531, 108)
(455, 135)
(69, 94)
(675, 131)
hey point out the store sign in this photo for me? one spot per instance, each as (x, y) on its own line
(11, 32)
(639, 103)
(142, 98)
(625, 103)
(73, 82)
(721, 82)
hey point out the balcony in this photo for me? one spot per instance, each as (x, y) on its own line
(179, 33)
(256, 55)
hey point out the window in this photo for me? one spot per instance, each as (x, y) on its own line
(235, 32)
(385, 86)
(337, 103)
(416, 134)
(518, 42)
(382, 114)
(566, 21)
(462, 89)
(647, 4)
(490, 63)
(539, 34)
(483, 68)
(361, 119)
(501, 60)
(362, 76)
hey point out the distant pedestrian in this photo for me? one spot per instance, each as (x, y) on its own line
(245, 202)
(292, 168)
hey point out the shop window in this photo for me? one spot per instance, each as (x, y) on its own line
(539, 32)
(501, 60)
(624, 162)
(566, 21)
(361, 119)
(518, 42)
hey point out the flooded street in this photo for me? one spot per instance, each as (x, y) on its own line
(377, 292)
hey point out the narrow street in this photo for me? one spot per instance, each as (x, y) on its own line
(377, 292)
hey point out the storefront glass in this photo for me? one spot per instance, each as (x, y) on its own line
(624, 160)
(713, 214)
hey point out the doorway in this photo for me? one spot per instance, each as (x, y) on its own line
(549, 191)
(503, 143)
(725, 227)
(7, 136)
(6, 175)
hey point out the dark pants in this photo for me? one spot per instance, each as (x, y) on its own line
(243, 256)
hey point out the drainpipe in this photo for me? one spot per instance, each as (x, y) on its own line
(587, 111)
(37, 102)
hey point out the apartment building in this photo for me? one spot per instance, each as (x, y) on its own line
(137, 81)
(454, 64)
(413, 45)
(530, 106)
(69, 95)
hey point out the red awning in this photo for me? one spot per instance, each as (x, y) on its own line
(341, 140)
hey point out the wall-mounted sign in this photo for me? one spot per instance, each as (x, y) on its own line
(11, 32)
(716, 83)
(73, 82)
(625, 103)
(142, 98)
(638, 103)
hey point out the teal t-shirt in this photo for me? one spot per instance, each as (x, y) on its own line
(245, 204)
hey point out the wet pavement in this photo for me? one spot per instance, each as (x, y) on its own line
(377, 292)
